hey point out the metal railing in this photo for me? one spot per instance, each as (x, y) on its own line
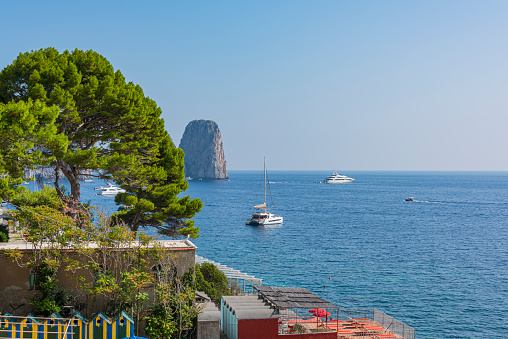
(396, 326)
(361, 322)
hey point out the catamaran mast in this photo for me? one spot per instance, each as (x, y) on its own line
(264, 161)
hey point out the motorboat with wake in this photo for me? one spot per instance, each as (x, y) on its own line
(337, 178)
(263, 216)
(109, 190)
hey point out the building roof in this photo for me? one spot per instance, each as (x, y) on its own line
(249, 307)
(292, 297)
(174, 245)
(209, 312)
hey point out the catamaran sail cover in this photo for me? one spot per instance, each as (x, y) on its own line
(260, 206)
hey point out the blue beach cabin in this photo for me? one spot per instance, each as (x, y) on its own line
(7, 327)
(122, 326)
(53, 327)
(99, 326)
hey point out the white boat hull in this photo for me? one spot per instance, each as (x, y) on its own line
(273, 221)
(109, 190)
(110, 193)
(338, 181)
(263, 222)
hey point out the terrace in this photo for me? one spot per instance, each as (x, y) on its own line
(301, 311)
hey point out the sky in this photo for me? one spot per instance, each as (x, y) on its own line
(311, 85)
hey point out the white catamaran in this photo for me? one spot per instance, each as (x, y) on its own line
(263, 217)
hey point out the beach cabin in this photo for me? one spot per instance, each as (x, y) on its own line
(77, 330)
(27, 327)
(98, 326)
(7, 326)
(251, 317)
(122, 326)
(52, 327)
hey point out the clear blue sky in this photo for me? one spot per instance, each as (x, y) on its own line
(347, 85)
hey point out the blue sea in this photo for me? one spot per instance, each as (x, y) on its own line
(439, 264)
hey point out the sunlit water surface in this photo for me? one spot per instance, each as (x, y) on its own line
(438, 264)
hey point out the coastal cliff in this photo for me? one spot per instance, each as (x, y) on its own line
(204, 153)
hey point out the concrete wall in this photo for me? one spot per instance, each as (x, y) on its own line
(208, 326)
(15, 292)
(208, 330)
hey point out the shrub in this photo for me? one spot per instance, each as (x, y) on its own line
(160, 324)
(4, 233)
(212, 281)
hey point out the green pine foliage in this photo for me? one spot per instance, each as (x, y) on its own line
(152, 195)
(72, 111)
(25, 127)
(107, 122)
(46, 196)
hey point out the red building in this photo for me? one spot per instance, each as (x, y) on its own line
(254, 317)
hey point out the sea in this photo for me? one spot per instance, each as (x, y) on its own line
(438, 264)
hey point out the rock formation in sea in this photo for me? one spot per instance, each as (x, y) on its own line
(204, 153)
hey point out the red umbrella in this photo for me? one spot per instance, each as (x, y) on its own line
(319, 312)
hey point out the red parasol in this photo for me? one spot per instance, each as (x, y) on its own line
(319, 312)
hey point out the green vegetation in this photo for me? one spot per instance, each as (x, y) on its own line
(52, 298)
(24, 128)
(4, 233)
(212, 281)
(176, 312)
(45, 197)
(159, 325)
(117, 273)
(74, 113)
(49, 231)
(156, 203)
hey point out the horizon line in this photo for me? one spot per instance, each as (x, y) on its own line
(378, 170)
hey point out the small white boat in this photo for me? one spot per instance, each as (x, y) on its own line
(109, 190)
(264, 217)
(337, 178)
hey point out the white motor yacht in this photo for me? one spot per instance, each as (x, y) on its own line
(109, 190)
(337, 178)
(263, 217)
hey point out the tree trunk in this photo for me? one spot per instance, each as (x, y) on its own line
(72, 175)
(75, 186)
(57, 182)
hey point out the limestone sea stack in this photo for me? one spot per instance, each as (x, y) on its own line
(204, 154)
